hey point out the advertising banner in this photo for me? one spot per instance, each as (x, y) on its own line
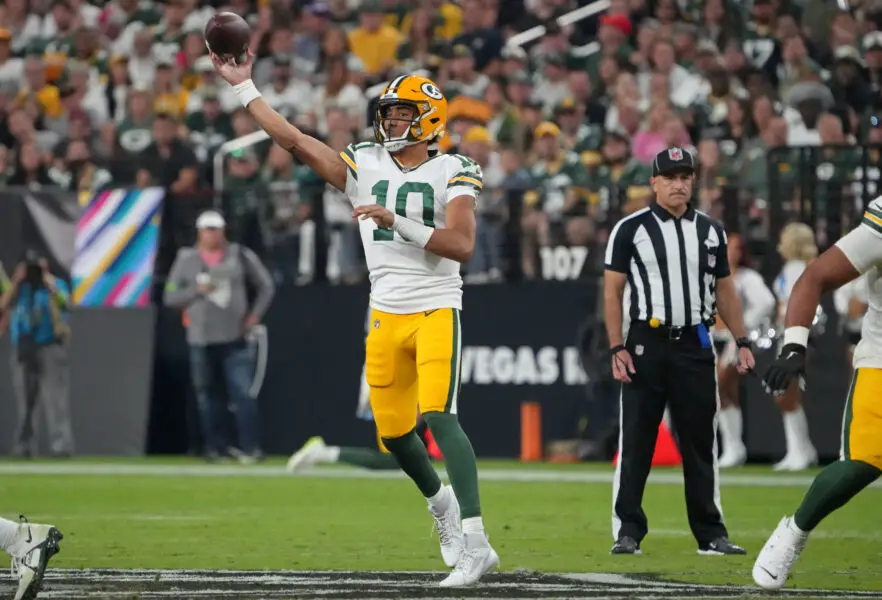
(43, 221)
(116, 241)
(523, 345)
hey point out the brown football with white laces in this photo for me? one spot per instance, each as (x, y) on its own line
(228, 35)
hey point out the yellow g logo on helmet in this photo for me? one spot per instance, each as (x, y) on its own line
(430, 122)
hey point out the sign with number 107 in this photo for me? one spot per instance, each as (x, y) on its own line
(563, 263)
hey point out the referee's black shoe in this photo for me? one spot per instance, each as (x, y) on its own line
(720, 546)
(625, 545)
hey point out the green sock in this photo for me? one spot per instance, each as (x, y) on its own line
(368, 458)
(459, 459)
(410, 452)
(838, 483)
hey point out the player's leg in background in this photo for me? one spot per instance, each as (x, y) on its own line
(860, 465)
(391, 373)
(31, 546)
(734, 452)
(315, 451)
(439, 361)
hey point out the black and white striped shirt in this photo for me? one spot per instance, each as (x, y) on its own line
(672, 264)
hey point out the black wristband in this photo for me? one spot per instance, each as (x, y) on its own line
(616, 349)
(796, 348)
(743, 342)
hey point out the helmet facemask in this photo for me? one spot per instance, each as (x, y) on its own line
(414, 132)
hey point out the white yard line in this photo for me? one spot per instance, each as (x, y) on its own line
(526, 475)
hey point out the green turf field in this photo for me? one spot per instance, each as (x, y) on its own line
(180, 514)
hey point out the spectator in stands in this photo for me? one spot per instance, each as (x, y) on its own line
(480, 34)
(618, 181)
(344, 245)
(308, 41)
(338, 92)
(420, 48)
(486, 264)
(11, 67)
(208, 127)
(167, 161)
(555, 212)
(246, 197)
(30, 170)
(39, 332)
(77, 171)
(553, 86)
(374, 42)
(207, 80)
(464, 79)
(25, 25)
(284, 93)
(209, 282)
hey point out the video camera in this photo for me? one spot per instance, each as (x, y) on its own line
(34, 263)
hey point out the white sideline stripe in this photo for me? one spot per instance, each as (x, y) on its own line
(764, 534)
(504, 475)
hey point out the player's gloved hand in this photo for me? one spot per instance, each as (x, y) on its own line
(789, 365)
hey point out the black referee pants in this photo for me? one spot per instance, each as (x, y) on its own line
(678, 373)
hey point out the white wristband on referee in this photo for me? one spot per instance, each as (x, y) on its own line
(796, 335)
(246, 92)
(412, 231)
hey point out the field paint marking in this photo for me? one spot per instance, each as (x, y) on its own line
(160, 583)
(503, 475)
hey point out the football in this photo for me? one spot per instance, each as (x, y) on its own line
(227, 34)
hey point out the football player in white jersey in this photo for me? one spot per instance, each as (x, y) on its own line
(860, 462)
(416, 211)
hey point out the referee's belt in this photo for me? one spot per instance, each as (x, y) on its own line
(670, 331)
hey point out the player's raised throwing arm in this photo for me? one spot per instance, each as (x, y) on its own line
(319, 157)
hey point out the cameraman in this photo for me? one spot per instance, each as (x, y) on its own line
(37, 304)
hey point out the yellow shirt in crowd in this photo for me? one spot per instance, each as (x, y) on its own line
(451, 22)
(376, 50)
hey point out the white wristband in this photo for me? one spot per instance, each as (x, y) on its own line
(796, 335)
(412, 231)
(246, 92)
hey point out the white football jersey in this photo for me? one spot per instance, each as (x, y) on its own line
(863, 248)
(406, 278)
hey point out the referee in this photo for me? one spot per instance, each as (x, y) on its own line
(666, 269)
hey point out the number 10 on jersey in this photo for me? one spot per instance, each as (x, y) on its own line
(381, 191)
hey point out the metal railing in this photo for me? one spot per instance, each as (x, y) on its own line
(240, 143)
(583, 12)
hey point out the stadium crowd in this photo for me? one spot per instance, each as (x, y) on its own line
(777, 96)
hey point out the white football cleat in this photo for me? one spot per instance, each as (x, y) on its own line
(449, 527)
(309, 454)
(476, 560)
(775, 560)
(34, 546)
